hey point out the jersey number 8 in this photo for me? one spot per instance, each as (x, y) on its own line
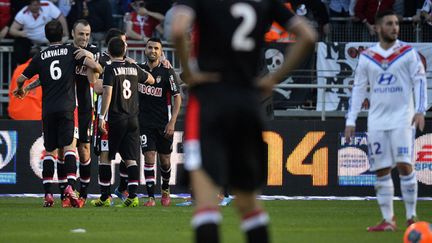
(126, 89)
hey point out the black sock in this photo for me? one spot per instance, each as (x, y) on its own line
(206, 225)
(62, 177)
(48, 173)
(226, 194)
(71, 167)
(84, 168)
(105, 180)
(123, 176)
(255, 226)
(166, 175)
(149, 175)
(133, 175)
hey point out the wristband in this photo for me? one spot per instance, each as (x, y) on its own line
(102, 117)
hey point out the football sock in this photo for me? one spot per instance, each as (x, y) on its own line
(48, 172)
(165, 174)
(105, 180)
(409, 190)
(255, 225)
(206, 225)
(149, 175)
(71, 167)
(133, 175)
(384, 191)
(84, 168)
(123, 176)
(226, 194)
(62, 177)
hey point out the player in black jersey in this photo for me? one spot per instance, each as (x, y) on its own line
(100, 142)
(223, 127)
(56, 67)
(81, 34)
(120, 98)
(157, 119)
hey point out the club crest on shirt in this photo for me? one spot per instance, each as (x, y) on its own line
(158, 79)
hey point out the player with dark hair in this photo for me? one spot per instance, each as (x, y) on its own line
(394, 74)
(81, 32)
(223, 127)
(120, 102)
(56, 66)
(157, 119)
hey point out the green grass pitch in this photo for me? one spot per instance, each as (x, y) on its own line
(24, 220)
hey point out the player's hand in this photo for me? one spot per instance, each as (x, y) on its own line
(130, 60)
(20, 93)
(195, 78)
(419, 121)
(102, 126)
(169, 130)
(166, 63)
(349, 133)
(80, 53)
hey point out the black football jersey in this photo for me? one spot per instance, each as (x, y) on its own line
(231, 34)
(56, 68)
(155, 99)
(104, 59)
(84, 93)
(124, 78)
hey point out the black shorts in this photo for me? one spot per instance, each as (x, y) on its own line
(58, 130)
(124, 139)
(153, 139)
(85, 126)
(223, 135)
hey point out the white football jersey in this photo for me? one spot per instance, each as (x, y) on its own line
(397, 87)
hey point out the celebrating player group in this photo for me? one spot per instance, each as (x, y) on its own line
(138, 106)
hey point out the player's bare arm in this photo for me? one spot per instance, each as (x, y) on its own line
(92, 76)
(179, 30)
(19, 92)
(170, 127)
(106, 100)
(295, 54)
(91, 63)
(98, 86)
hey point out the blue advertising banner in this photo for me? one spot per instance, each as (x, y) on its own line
(8, 147)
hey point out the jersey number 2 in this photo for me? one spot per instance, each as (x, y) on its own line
(240, 40)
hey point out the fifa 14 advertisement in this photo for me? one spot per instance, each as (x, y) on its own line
(305, 158)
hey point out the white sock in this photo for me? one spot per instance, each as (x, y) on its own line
(384, 191)
(409, 190)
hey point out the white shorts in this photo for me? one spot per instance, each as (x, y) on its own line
(386, 148)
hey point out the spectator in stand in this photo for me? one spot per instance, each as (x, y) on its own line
(425, 17)
(314, 10)
(411, 7)
(339, 8)
(18, 109)
(141, 24)
(64, 6)
(28, 27)
(5, 16)
(97, 12)
(365, 12)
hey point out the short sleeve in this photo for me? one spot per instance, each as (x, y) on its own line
(32, 69)
(20, 17)
(142, 75)
(173, 82)
(109, 76)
